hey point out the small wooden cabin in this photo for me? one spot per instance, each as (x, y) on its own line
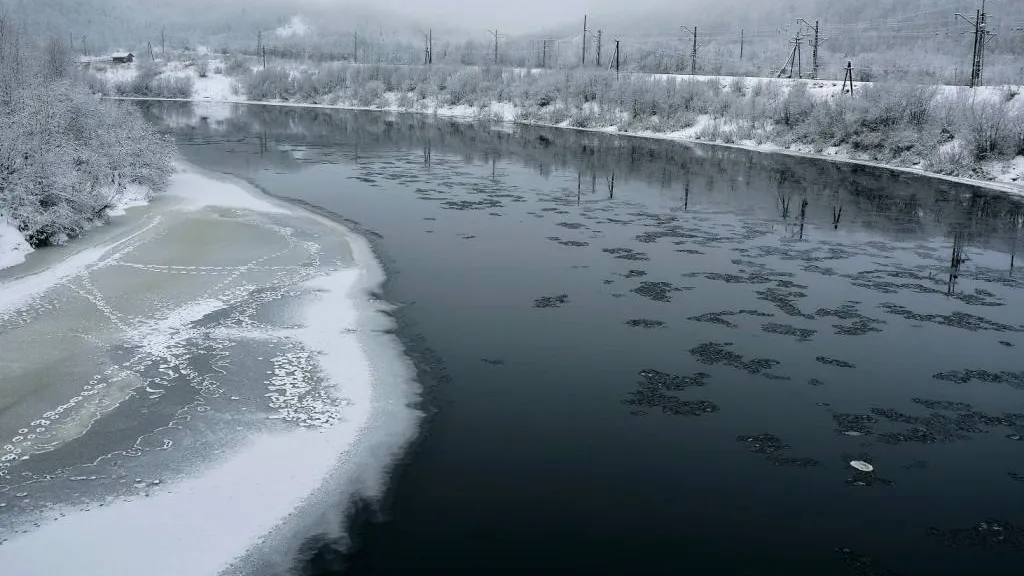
(122, 58)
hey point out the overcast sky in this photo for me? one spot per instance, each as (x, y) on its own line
(513, 15)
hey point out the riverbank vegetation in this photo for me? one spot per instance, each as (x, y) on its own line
(947, 130)
(67, 158)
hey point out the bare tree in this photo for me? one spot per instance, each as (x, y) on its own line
(57, 59)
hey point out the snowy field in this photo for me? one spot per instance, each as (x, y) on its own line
(1005, 175)
(186, 387)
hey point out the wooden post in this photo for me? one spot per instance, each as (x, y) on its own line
(598, 48)
(741, 42)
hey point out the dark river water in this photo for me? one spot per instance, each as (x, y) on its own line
(648, 357)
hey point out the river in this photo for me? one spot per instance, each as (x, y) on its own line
(650, 357)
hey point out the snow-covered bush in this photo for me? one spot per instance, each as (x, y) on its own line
(236, 67)
(273, 83)
(203, 67)
(66, 156)
(148, 82)
(371, 93)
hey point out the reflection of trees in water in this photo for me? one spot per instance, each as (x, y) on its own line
(882, 201)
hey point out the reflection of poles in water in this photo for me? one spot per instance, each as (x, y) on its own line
(784, 205)
(837, 214)
(264, 147)
(427, 155)
(494, 168)
(593, 182)
(579, 187)
(1018, 222)
(803, 216)
(686, 197)
(956, 261)
(611, 186)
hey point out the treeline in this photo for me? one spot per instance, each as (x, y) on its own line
(66, 157)
(902, 125)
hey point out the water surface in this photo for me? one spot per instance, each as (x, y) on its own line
(648, 357)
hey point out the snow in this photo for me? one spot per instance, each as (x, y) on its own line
(133, 196)
(13, 247)
(215, 87)
(197, 191)
(220, 516)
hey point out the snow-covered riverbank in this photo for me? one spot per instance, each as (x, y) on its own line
(216, 372)
(902, 143)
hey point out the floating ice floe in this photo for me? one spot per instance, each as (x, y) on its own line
(862, 466)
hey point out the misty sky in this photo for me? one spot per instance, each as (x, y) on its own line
(513, 15)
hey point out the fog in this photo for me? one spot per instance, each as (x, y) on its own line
(519, 16)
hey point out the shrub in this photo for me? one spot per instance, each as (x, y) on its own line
(237, 67)
(988, 131)
(75, 155)
(738, 85)
(203, 67)
(272, 83)
(371, 94)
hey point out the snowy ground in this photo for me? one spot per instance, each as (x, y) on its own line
(13, 247)
(184, 389)
(1007, 176)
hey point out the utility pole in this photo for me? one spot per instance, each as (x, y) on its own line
(355, 47)
(793, 56)
(693, 53)
(584, 41)
(85, 51)
(817, 24)
(741, 42)
(430, 46)
(163, 42)
(598, 48)
(259, 42)
(817, 39)
(616, 59)
(981, 35)
(544, 55)
(495, 32)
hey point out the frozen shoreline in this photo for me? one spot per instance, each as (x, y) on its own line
(222, 516)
